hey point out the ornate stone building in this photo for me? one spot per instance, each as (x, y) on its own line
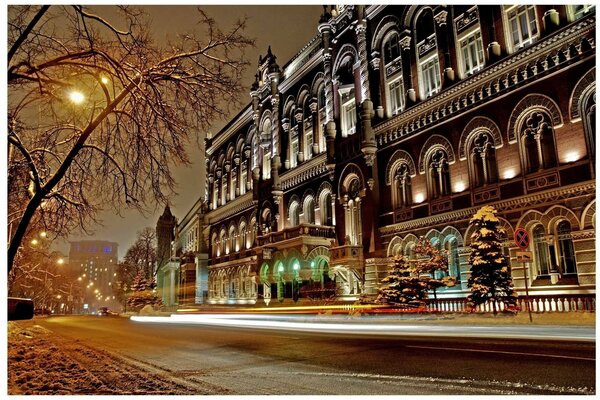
(399, 121)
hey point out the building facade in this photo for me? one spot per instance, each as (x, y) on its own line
(396, 122)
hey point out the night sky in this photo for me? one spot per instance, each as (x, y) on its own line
(285, 28)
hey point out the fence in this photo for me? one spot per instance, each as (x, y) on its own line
(537, 304)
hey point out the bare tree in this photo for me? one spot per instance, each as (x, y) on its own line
(99, 113)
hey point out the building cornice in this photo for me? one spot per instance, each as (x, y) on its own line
(305, 171)
(494, 81)
(222, 137)
(527, 201)
(239, 204)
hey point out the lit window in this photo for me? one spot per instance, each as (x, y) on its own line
(579, 11)
(431, 78)
(349, 117)
(295, 149)
(396, 93)
(308, 139)
(472, 53)
(522, 26)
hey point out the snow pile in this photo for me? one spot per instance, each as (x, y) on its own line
(38, 366)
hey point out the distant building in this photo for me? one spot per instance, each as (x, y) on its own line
(400, 121)
(97, 260)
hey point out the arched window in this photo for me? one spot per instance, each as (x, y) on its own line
(309, 138)
(243, 177)
(294, 143)
(326, 209)
(266, 146)
(251, 233)
(215, 245)
(353, 214)
(243, 239)
(394, 85)
(542, 253)
(438, 175)
(309, 210)
(453, 259)
(482, 157)
(231, 240)
(588, 114)
(294, 214)
(402, 189)
(222, 248)
(537, 143)
(566, 253)
(430, 78)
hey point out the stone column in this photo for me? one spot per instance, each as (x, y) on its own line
(325, 29)
(377, 98)
(444, 39)
(411, 95)
(361, 41)
(300, 124)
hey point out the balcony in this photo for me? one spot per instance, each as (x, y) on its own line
(349, 255)
(299, 234)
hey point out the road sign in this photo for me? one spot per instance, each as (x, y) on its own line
(524, 256)
(522, 238)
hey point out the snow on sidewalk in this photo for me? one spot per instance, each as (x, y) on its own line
(40, 362)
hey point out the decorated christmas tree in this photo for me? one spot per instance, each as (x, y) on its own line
(142, 294)
(403, 286)
(490, 278)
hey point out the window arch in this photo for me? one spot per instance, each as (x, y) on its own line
(353, 213)
(430, 78)
(266, 148)
(588, 114)
(326, 208)
(451, 246)
(541, 250)
(221, 248)
(566, 253)
(294, 213)
(394, 84)
(242, 242)
(482, 160)
(438, 175)
(537, 142)
(309, 210)
(402, 186)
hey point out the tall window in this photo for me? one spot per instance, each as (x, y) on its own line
(294, 214)
(294, 147)
(522, 25)
(224, 192)
(483, 161)
(308, 143)
(234, 185)
(542, 253)
(309, 210)
(326, 210)
(588, 114)
(578, 11)
(565, 248)
(353, 214)
(537, 143)
(402, 187)
(431, 77)
(471, 48)
(243, 178)
(393, 74)
(439, 175)
(453, 259)
(266, 164)
(349, 117)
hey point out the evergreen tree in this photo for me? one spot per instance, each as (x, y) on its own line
(403, 285)
(490, 278)
(142, 294)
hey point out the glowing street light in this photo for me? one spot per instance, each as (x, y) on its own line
(34, 241)
(104, 80)
(76, 97)
(60, 261)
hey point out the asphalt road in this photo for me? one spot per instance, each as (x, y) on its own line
(256, 362)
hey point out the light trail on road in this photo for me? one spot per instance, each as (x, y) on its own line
(376, 328)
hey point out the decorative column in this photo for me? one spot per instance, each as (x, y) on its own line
(285, 126)
(411, 94)
(238, 171)
(317, 130)
(377, 98)
(361, 41)
(440, 19)
(300, 125)
(325, 29)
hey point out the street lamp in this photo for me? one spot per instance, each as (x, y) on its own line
(76, 97)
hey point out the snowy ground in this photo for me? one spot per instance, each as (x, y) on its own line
(41, 363)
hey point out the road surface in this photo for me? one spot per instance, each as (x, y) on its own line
(230, 360)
